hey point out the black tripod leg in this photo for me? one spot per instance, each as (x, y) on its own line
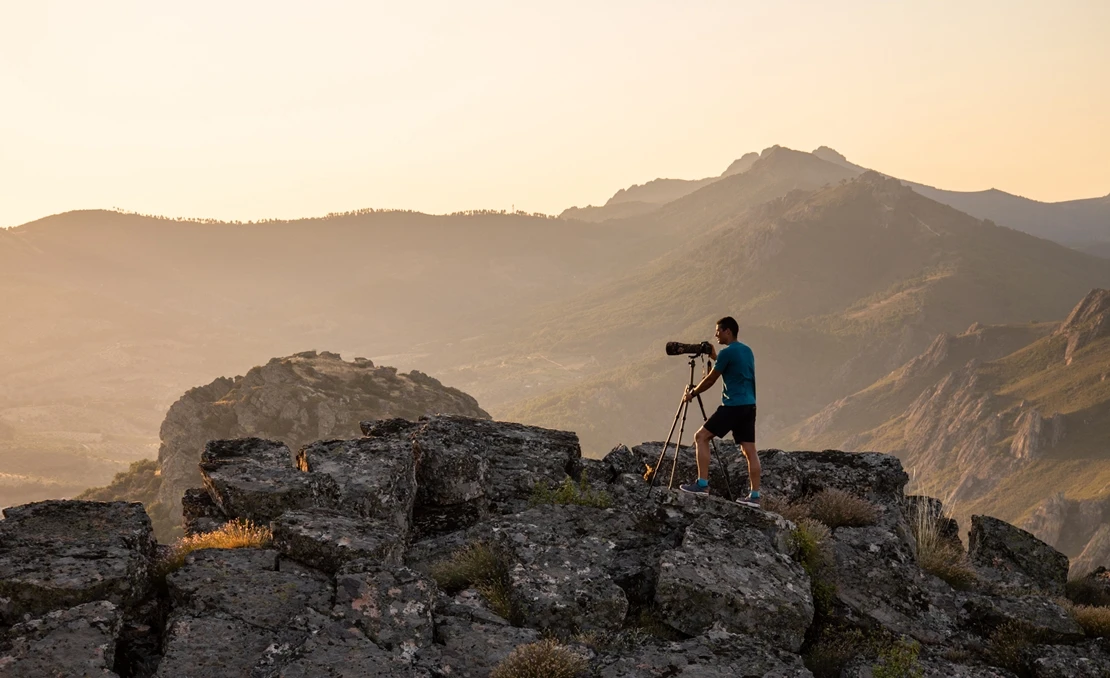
(717, 452)
(662, 452)
(678, 443)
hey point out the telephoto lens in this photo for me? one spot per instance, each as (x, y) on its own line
(679, 348)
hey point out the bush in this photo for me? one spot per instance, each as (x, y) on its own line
(545, 659)
(570, 492)
(837, 508)
(1095, 620)
(236, 534)
(899, 660)
(486, 568)
(807, 544)
(1005, 645)
(792, 511)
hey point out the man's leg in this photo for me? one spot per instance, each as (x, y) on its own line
(701, 443)
(754, 469)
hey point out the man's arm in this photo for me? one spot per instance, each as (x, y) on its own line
(704, 385)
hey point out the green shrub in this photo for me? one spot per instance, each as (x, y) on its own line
(486, 568)
(807, 544)
(899, 660)
(569, 492)
(545, 659)
(837, 508)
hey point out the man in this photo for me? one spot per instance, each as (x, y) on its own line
(736, 363)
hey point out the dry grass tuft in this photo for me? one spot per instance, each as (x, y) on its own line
(795, 512)
(545, 659)
(486, 568)
(236, 534)
(837, 508)
(1094, 619)
(937, 554)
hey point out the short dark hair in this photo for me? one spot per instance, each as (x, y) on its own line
(729, 323)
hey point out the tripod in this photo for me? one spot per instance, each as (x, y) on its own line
(680, 416)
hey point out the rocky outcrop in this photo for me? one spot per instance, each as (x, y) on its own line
(295, 400)
(1089, 320)
(1095, 554)
(1036, 435)
(647, 583)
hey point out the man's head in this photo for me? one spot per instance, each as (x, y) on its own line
(727, 329)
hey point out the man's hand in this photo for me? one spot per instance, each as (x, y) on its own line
(691, 393)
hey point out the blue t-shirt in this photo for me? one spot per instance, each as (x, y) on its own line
(736, 363)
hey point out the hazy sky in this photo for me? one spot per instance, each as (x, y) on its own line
(243, 110)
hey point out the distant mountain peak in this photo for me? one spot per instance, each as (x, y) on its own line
(826, 153)
(741, 164)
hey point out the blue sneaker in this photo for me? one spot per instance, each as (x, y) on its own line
(749, 501)
(694, 488)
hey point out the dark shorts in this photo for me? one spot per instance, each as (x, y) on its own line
(740, 419)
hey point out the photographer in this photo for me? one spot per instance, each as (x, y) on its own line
(736, 363)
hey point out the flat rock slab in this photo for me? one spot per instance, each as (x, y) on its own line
(79, 641)
(471, 649)
(717, 654)
(393, 607)
(327, 540)
(1043, 616)
(1020, 562)
(332, 656)
(59, 554)
(462, 459)
(373, 477)
(878, 582)
(245, 584)
(255, 479)
(733, 575)
(212, 646)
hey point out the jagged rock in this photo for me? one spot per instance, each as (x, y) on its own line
(60, 554)
(560, 557)
(393, 607)
(1089, 320)
(1088, 660)
(79, 641)
(245, 584)
(298, 399)
(878, 583)
(1036, 435)
(254, 479)
(374, 477)
(199, 513)
(716, 654)
(728, 572)
(1095, 554)
(1047, 620)
(326, 539)
(1015, 560)
(620, 460)
(462, 459)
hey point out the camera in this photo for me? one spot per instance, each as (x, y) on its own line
(679, 348)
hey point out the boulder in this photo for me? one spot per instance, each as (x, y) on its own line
(199, 513)
(373, 477)
(255, 479)
(469, 647)
(392, 606)
(326, 539)
(878, 583)
(462, 459)
(61, 554)
(79, 641)
(727, 571)
(1014, 560)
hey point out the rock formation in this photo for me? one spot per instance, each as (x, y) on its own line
(305, 397)
(358, 579)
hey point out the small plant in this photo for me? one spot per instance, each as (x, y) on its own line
(792, 511)
(837, 508)
(807, 544)
(545, 659)
(236, 534)
(569, 492)
(1005, 645)
(486, 568)
(834, 648)
(899, 660)
(937, 554)
(1094, 620)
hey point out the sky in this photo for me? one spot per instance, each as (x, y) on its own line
(280, 109)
